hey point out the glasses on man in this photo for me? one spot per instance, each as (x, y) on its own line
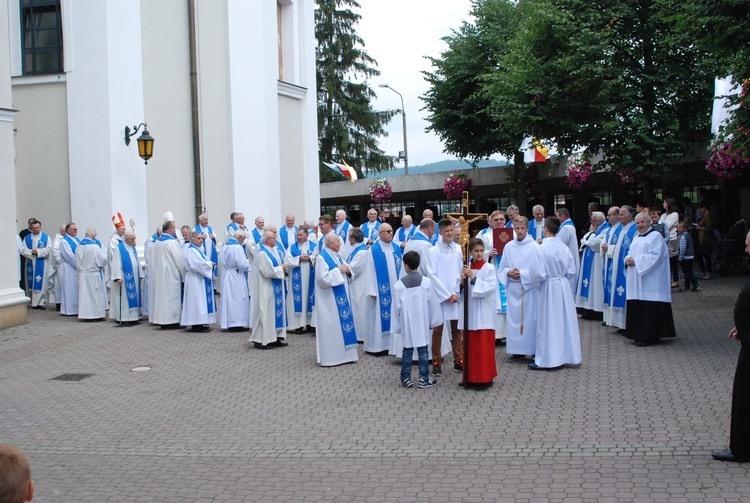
(390, 232)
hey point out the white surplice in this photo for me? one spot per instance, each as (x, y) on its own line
(360, 286)
(558, 340)
(166, 268)
(445, 262)
(329, 337)
(68, 278)
(92, 294)
(378, 340)
(235, 294)
(416, 311)
(198, 298)
(649, 279)
(303, 318)
(119, 309)
(54, 289)
(523, 294)
(595, 301)
(483, 300)
(38, 297)
(567, 234)
(614, 316)
(264, 300)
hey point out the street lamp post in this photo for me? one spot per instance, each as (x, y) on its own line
(403, 116)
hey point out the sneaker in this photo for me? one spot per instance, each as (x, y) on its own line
(685, 289)
(458, 367)
(406, 383)
(696, 289)
(428, 383)
(436, 369)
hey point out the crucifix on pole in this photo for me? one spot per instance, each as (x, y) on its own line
(465, 218)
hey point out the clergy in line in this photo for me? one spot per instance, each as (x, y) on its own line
(37, 248)
(67, 271)
(480, 367)
(288, 233)
(269, 325)
(342, 228)
(386, 266)
(649, 295)
(91, 260)
(166, 269)
(300, 299)
(112, 247)
(607, 248)
(558, 340)
(235, 292)
(616, 315)
(360, 284)
(209, 243)
(405, 232)
(54, 289)
(126, 299)
(568, 236)
(325, 223)
(518, 274)
(198, 303)
(336, 340)
(536, 225)
(429, 215)
(371, 228)
(590, 287)
(146, 246)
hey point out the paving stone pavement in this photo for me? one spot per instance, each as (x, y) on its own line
(216, 420)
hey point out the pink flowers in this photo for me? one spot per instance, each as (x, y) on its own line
(726, 162)
(380, 190)
(456, 183)
(578, 173)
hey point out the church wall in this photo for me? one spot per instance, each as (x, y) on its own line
(292, 159)
(42, 168)
(167, 110)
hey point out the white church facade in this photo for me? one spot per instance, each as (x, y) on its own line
(226, 87)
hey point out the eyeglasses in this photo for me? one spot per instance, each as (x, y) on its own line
(390, 232)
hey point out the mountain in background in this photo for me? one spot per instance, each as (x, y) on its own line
(438, 167)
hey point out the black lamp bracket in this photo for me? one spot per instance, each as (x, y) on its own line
(135, 129)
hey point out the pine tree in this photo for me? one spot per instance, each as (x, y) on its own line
(348, 127)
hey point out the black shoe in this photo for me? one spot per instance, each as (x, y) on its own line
(377, 353)
(727, 456)
(458, 367)
(171, 326)
(643, 344)
(200, 328)
(685, 289)
(279, 343)
(513, 358)
(436, 370)
(57, 307)
(258, 345)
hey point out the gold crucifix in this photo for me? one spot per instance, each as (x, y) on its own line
(465, 218)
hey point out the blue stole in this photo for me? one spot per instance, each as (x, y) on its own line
(402, 237)
(36, 277)
(206, 283)
(232, 227)
(343, 230)
(283, 233)
(532, 228)
(588, 262)
(166, 237)
(89, 241)
(369, 232)
(72, 242)
(235, 242)
(619, 300)
(607, 279)
(280, 248)
(419, 236)
(278, 291)
(384, 283)
(256, 235)
(342, 303)
(359, 248)
(214, 253)
(130, 277)
(510, 224)
(297, 281)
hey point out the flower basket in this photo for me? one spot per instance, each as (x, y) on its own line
(456, 183)
(380, 190)
(726, 161)
(578, 173)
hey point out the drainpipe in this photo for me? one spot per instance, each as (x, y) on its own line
(195, 116)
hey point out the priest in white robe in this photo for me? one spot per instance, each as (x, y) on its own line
(113, 246)
(405, 232)
(91, 260)
(209, 245)
(300, 299)
(385, 266)
(590, 287)
(54, 259)
(126, 299)
(198, 302)
(361, 288)
(288, 232)
(37, 249)
(371, 228)
(325, 223)
(336, 339)
(166, 269)
(616, 315)
(68, 272)
(146, 247)
(342, 229)
(269, 325)
(649, 295)
(235, 293)
(569, 237)
(518, 272)
(607, 248)
(445, 263)
(558, 340)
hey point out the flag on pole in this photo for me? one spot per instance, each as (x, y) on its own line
(534, 150)
(343, 169)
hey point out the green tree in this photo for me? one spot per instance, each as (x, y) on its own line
(348, 127)
(457, 102)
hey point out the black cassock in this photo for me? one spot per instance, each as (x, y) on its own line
(739, 437)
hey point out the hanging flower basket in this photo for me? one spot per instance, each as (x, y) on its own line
(456, 183)
(380, 190)
(625, 176)
(578, 173)
(726, 162)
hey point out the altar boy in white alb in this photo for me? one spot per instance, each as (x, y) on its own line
(558, 341)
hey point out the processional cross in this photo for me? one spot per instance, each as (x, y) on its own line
(465, 218)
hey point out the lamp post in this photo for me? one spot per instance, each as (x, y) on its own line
(403, 115)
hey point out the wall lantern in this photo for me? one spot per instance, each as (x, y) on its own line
(145, 141)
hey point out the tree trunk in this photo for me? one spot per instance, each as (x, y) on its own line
(519, 179)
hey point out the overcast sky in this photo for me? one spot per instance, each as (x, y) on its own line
(398, 34)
